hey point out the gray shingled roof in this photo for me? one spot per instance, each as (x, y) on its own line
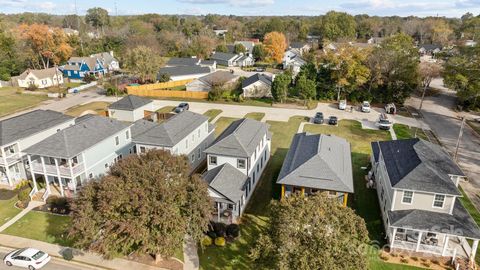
(87, 131)
(318, 161)
(40, 73)
(140, 126)
(226, 180)
(182, 61)
(255, 78)
(104, 57)
(239, 139)
(223, 56)
(130, 103)
(430, 47)
(297, 44)
(416, 164)
(183, 70)
(28, 124)
(172, 131)
(459, 223)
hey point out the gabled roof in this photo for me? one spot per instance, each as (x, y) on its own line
(130, 103)
(223, 56)
(28, 124)
(430, 47)
(91, 62)
(87, 132)
(416, 164)
(105, 58)
(240, 139)
(218, 78)
(184, 70)
(40, 73)
(255, 78)
(227, 181)
(459, 223)
(170, 132)
(182, 61)
(298, 44)
(140, 126)
(247, 44)
(318, 161)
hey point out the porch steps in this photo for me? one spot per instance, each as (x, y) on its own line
(38, 196)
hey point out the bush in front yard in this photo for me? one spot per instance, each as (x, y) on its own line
(220, 229)
(207, 241)
(220, 242)
(57, 204)
(23, 197)
(233, 230)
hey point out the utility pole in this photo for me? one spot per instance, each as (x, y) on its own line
(423, 97)
(459, 138)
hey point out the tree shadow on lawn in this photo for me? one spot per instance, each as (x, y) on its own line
(6, 194)
(57, 229)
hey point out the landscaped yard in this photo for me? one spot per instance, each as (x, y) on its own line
(11, 102)
(406, 132)
(98, 107)
(222, 123)
(211, 114)
(255, 115)
(7, 209)
(43, 227)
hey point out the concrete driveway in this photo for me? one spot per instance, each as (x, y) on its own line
(439, 115)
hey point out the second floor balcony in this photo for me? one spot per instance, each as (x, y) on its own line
(63, 169)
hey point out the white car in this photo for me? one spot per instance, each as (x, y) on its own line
(366, 107)
(28, 258)
(342, 105)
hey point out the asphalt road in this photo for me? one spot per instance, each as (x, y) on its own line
(52, 265)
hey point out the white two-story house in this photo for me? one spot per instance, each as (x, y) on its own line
(236, 161)
(417, 187)
(63, 162)
(20, 132)
(186, 133)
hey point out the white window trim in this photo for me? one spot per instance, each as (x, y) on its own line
(403, 196)
(443, 202)
(210, 160)
(244, 164)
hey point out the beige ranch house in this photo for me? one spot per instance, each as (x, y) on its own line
(40, 78)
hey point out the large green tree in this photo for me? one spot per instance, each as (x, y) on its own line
(280, 86)
(337, 25)
(461, 73)
(143, 62)
(98, 18)
(10, 63)
(145, 204)
(314, 232)
(305, 88)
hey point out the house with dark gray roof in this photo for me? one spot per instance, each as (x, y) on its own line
(182, 61)
(417, 187)
(257, 86)
(301, 47)
(130, 108)
(20, 132)
(429, 49)
(236, 160)
(318, 163)
(186, 133)
(223, 79)
(229, 59)
(179, 73)
(72, 156)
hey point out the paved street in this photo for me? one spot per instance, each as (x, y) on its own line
(438, 114)
(52, 265)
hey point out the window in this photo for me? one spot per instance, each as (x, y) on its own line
(117, 141)
(332, 193)
(127, 134)
(407, 197)
(230, 207)
(90, 175)
(258, 167)
(241, 163)
(142, 149)
(213, 160)
(193, 157)
(438, 201)
(199, 153)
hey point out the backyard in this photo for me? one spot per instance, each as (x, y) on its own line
(97, 107)
(11, 101)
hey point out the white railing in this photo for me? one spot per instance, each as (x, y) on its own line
(82, 87)
(46, 194)
(32, 192)
(52, 169)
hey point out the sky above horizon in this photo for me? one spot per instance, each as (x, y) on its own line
(422, 8)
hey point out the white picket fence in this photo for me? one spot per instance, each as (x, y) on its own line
(81, 87)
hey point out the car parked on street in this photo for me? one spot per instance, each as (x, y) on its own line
(333, 120)
(318, 119)
(383, 122)
(366, 107)
(182, 107)
(30, 258)
(342, 105)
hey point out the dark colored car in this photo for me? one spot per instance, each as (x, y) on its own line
(182, 107)
(318, 119)
(333, 120)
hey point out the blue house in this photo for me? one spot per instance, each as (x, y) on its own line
(77, 67)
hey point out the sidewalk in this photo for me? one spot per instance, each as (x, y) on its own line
(30, 206)
(190, 254)
(79, 256)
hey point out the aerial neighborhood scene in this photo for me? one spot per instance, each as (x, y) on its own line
(224, 134)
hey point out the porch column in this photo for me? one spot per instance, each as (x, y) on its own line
(303, 191)
(218, 212)
(393, 238)
(45, 172)
(72, 176)
(59, 177)
(345, 199)
(7, 171)
(419, 241)
(474, 250)
(445, 245)
(283, 191)
(32, 173)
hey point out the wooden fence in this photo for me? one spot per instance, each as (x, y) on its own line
(159, 86)
(161, 90)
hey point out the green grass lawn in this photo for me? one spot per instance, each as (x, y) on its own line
(211, 114)
(72, 84)
(43, 227)
(406, 132)
(11, 102)
(255, 115)
(166, 109)
(8, 210)
(98, 107)
(222, 123)
(467, 203)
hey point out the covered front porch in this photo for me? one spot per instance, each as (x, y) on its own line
(225, 212)
(342, 197)
(48, 185)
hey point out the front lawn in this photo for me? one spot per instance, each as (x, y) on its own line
(96, 107)
(222, 123)
(406, 132)
(211, 114)
(7, 209)
(255, 116)
(43, 227)
(11, 102)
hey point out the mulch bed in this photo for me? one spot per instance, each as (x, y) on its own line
(149, 260)
(6, 194)
(44, 208)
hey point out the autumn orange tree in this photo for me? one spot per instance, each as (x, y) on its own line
(45, 45)
(275, 45)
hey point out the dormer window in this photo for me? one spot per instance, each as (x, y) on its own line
(407, 197)
(438, 201)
